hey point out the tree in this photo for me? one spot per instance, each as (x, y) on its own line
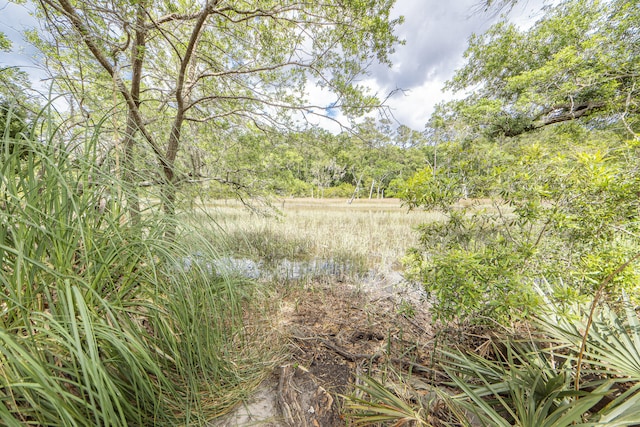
(215, 64)
(564, 202)
(563, 208)
(580, 61)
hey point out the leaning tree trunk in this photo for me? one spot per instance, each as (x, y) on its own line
(357, 189)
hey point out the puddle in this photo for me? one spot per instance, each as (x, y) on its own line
(283, 269)
(387, 283)
(294, 270)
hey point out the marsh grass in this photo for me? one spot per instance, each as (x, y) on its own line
(99, 322)
(369, 234)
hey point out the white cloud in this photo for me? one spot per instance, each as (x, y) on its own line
(325, 116)
(14, 20)
(414, 106)
(436, 34)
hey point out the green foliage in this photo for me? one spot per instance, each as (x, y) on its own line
(564, 206)
(565, 200)
(474, 268)
(343, 190)
(98, 316)
(5, 43)
(314, 162)
(229, 72)
(253, 162)
(524, 386)
(13, 125)
(430, 189)
(376, 403)
(612, 341)
(579, 61)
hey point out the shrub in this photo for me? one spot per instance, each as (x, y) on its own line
(343, 190)
(566, 210)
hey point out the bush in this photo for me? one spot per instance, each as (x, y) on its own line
(340, 191)
(568, 214)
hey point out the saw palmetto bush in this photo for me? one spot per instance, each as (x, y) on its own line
(374, 403)
(536, 382)
(521, 386)
(605, 344)
(100, 321)
(531, 382)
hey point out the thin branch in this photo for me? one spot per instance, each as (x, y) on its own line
(89, 40)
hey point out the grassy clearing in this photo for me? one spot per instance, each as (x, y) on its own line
(374, 233)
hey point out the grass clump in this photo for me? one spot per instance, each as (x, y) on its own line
(269, 245)
(100, 322)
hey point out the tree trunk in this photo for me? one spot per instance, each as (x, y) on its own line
(129, 175)
(357, 189)
(168, 191)
(128, 166)
(182, 100)
(169, 207)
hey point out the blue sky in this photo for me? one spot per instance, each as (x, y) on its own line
(14, 19)
(435, 32)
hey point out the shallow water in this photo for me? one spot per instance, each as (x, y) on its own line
(389, 283)
(282, 269)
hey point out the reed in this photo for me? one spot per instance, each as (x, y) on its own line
(100, 322)
(374, 232)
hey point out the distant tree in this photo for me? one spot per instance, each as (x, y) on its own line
(407, 138)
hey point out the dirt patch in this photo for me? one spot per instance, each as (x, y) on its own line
(335, 330)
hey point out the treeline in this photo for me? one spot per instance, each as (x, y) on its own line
(371, 161)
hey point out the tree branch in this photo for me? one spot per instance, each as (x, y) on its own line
(88, 38)
(563, 113)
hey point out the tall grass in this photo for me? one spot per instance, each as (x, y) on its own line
(100, 323)
(375, 233)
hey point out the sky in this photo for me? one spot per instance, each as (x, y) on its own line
(14, 19)
(436, 33)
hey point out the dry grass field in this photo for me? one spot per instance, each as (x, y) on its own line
(374, 233)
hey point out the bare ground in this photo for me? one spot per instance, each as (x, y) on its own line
(334, 332)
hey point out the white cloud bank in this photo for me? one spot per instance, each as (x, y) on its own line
(436, 33)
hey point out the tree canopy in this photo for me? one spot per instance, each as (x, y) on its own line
(579, 62)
